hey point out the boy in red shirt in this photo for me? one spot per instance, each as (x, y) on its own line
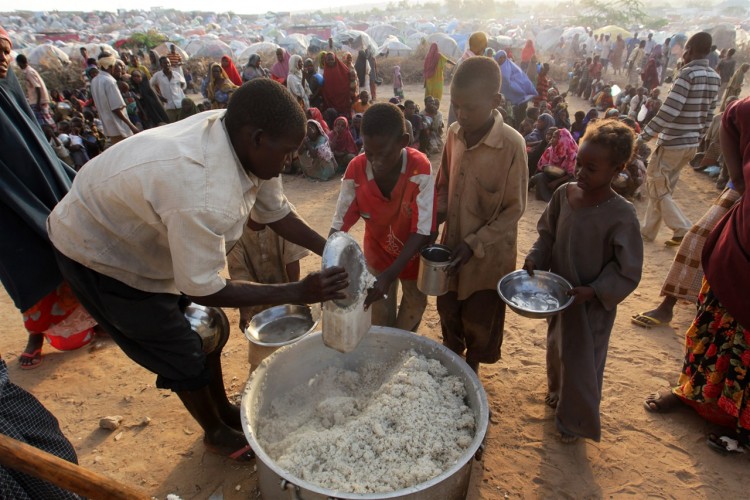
(391, 187)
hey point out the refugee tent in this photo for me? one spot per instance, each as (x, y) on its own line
(260, 48)
(446, 45)
(614, 31)
(164, 49)
(356, 40)
(213, 49)
(548, 38)
(48, 57)
(394, 47)
(382, 32)
(295, 43)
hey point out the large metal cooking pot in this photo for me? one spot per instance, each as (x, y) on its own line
(433, 270)
(297, 363)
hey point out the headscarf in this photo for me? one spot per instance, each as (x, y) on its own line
(528, 51)
(318, 117)
(226, 85)
(34, 180)
(431, 61)
(107, 61)
(397, 82)
(489, 52)
(5, 36)
(322, 59)
(280, 69)
(231, 71)
(253, 61)
(361, 67)
(294, 68)
(336, 92)
(516, 87)
(343, 142)
(192, 108)
(562, 155)
(537, 135)
(650, 75)
(561, 121)
(478, 42)
(324, 148)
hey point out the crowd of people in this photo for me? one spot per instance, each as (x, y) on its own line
(107, 244)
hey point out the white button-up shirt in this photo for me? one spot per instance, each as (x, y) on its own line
(107, 98)
(170, 89)
(160, 210)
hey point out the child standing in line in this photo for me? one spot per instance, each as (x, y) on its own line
(262, 256)
(398, 84)
(481, 187)
(589, 235)
(391, 187)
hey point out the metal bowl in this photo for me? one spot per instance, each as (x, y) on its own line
(540, 296)
(282, 325)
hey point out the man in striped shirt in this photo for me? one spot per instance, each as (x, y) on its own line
(679, 125)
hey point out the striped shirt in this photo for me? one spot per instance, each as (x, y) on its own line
(689, 108)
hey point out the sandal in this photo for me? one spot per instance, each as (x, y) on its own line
(33, 357)
(724, 444)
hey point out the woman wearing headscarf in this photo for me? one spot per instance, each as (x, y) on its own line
(342, 142)
(434, 72)
(187, 108)
(32, 181)
(516, 87)
(734, 87)
(315, 114)
(219, 88)
(295, 82)
(650, 75)
(280, 68)
(231, 70)
(537, 135)
(556, 166)
(527, 53)
(253, 69)
(532, 71)
(337, 89)
(153, 111)
(362, 67)
(477, 45)
(617, 52)
(316, 158)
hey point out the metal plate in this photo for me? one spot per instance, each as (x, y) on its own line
(342, 250)
(282, 325)
(539, 296)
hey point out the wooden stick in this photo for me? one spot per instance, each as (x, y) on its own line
(35, 462)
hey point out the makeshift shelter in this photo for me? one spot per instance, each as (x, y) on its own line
(614, 31)
(356, 40)
(260, 48)
(164, 49)
(213, 49)
(446, 45)
(415, 39)
(48, 57)
(382, 32)
(295, 43)
(394, 47)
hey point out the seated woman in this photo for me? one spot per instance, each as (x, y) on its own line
(535, 153)
(537, 135)
(603, 100)
(219, 87)
(556, 166)
(315, 155)
(342, 143)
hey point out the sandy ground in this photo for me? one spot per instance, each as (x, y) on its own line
(640, 454)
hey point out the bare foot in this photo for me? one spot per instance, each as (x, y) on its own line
(551, 399)
(32, 353)
(661, 402)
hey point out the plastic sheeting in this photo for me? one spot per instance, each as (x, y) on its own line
(47, 57)
(295, 43)
(261, 48)
(394, 47)
(382, 32)
(446, 45)
(356, 40)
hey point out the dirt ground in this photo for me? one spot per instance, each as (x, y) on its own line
(640, 454)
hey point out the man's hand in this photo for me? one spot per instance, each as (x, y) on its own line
(325, 285)
(459, 257)
(244, 319)
(529, 266)
(380, 289)
(582, 294)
